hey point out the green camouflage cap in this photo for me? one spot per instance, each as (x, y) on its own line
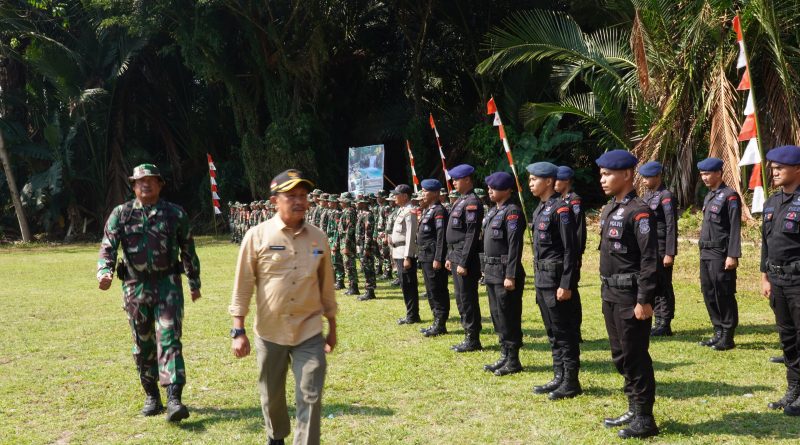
(324, 196)
(382, 194)
(480, 192)
(454, 194)
(316, 192)
(144, 170)
(362, 200)
(346, 197)
(333, 197)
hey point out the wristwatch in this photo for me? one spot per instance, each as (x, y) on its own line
(237, 332)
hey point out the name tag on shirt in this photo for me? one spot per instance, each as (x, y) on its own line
(277, 247)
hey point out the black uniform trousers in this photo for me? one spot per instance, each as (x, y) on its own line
(563, 326)
(630, 340)
(466, 290)
(506, 309)
(785, 302)
(665, 296)
(410, 286)
(436, 287)
(719, 292)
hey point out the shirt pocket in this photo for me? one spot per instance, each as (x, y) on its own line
(276, 264)
(790, 222)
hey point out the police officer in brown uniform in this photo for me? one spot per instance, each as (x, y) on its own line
(720, 249)
(628, 255)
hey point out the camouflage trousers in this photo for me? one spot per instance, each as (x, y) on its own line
(155, 314)
(338, 265)
(386, 258)
(368, 268)
(350, 268)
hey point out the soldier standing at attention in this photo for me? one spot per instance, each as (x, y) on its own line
(720, 249)
(432, 251)
(564, 185)
(157, 245)
(503, 238)
(404, 252)
(368, 246)
(335, 240)
(660, 201)
(555, 263)
(380, 232)
(463, 247)
(628, 255)
(443, 199)
(780, 265)
(347, 241)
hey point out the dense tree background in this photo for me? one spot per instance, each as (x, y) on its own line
(91, 88)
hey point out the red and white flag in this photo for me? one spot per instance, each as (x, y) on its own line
(212, 173)
(441, 152)
(413, 170)
(758, 190)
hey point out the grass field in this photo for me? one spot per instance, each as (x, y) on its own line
(66, 374)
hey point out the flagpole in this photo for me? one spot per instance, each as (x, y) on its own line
(413, 170)
(740, 38)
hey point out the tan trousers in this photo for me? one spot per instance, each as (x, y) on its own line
(308, 366)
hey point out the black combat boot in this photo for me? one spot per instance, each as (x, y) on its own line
(369, 295)
(792, 393)
(725, 341)
(272, 441)
(396, 282)
(439, 327)
(793, 409)
(152, 402)
(471, 343)
(642, 426)
(339, 284)
(387, 275)
(570, 386)
(778, 359)
(176, 411)
(512, 364)
(353, 289)
(409, 320)
(713, 340)
(662, 329)
(623, 419)
(492, 367)
(558, 376)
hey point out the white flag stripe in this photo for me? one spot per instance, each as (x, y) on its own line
(217, 211)
(751, 154)
(750, 108)
(758, 200)
(742, 61)
(214, 195)
(213, 181)
(497, 121)
(506, 146)
(436, 132)
(211, 166)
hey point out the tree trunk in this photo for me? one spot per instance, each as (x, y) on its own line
(12, 187)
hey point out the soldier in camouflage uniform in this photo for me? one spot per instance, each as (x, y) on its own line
(231, 225)
(382, 255)
(324, 211)
(347, 241)
(312, 216)
(368, 245)
(157, 246)
(334, 237)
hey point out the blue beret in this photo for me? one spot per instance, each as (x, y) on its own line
(787, 155)
(431, 185)
(617, 160)
(542, 169)
(710, 165)
(650, 169)
(461, 171)
(564, 173)
(500, 181)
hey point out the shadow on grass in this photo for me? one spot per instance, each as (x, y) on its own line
(760, 425)
(687, 389)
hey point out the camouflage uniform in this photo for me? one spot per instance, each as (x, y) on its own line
(333, 235)
(367, 243)
(347, 241)
(157, 246)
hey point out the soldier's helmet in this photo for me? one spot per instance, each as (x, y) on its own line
(144, 170)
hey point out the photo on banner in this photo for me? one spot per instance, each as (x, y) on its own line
(365, 170)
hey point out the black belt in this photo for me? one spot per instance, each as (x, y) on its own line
(457, 245)
(495, 260)
(400, 244)
(711, 244)
(620, 280)
(786, 269)
(548, 265)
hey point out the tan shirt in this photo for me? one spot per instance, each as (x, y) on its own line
(404, 233)
(292, 275)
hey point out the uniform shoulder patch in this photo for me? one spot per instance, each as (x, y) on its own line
(641, 215)
(439, 216)
(472, 207)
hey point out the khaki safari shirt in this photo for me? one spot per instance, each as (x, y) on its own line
(292, 274)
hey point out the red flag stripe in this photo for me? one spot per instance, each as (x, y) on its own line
(737, 26)
(744, 85)
(755, 177)
(491, 108)
(749, 130)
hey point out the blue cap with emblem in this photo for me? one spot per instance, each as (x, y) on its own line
(431, 185)
(617, 160)
(786, 155)
(500, 181)
(542, 169)
(461, 171)
(565, 173)
(650, 169)
(710, 165)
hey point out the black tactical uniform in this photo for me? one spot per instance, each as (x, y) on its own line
(780, 260)
(503, 236)
(666, 221)
(431, 247)
(579, 215)
(463, 246)
(720, 238)
(555, 260)
(628, 255)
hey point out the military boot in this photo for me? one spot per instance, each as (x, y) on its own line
(439, 327)
(353, 289)
(492, 367)
(662, 329)
(713, 340)
(643, 425)
(623, 419)
(512, 364)
(792, 393)
(570, 386)
(369, 295)
(793, 409)
(396, 282)
(272, 441)
(725, 341)
(176, 411)
(778, 359)
(471, 343)
(388, 274)
(152, 402)
(558, 376)
(339, 284)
